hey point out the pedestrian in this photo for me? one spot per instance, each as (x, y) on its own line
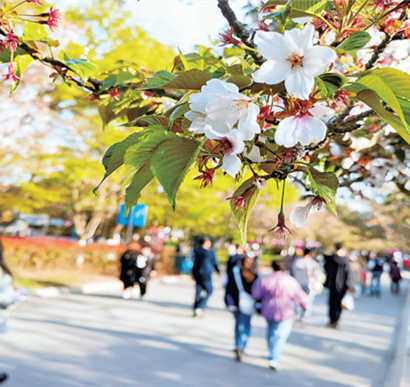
(145, 269)
(375, 265)
(8, 296)
(364, 274)
(128, 268)
(395, 276)
(278, 292)
(338, 280)
(238, 297)
(233, 259)
(205, 263)
(310, 277)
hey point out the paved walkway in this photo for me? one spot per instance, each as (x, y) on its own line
(104, 341)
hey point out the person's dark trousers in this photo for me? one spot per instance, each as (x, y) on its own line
(202, 284)
(335, 306)
(395, 286)
(142, 282)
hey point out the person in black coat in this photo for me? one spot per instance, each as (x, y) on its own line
(205, 263)
(395, 276)
(245, 272)
(128, 268)
(339, 280)
(234, 259)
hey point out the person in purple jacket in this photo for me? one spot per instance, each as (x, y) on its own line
(278, 292)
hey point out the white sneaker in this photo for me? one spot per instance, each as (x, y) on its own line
(198, 312)
(274, 364)
(126, 294)
(143, 298)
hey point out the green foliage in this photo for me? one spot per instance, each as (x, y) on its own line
(354, 42)
(390, 86)
(171, 162)
(21, 63)
(143, 148)
(140, 180)
(192, 80)
(242, 215)
(330, 83)
(80, 66)
(324, 184)
(34, 31)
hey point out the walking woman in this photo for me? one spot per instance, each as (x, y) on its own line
(238, 297)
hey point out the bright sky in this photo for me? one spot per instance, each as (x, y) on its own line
(182, 23)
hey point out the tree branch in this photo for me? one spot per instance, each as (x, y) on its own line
(240, 30)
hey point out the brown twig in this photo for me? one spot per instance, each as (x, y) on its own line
(240, 30)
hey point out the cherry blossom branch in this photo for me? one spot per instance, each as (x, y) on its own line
(240, 30)
(93, 85)
(378, 51)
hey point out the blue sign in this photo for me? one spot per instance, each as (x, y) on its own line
(137, 214)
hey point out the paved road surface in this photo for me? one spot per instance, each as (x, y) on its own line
(103, 340)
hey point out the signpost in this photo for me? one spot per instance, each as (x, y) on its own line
(137, 217)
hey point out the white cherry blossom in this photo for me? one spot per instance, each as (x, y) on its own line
(302, 128)
(299, 215)
(292, 58)
(220, 105)
(234, 141)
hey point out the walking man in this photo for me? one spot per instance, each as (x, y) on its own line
(204, 264)
(339, 280)
(278, 292)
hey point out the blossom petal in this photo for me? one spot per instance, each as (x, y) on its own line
(198, 122)
(248, 124)
(212, 134)
(286, 132)
(231, 164)
(273, 72)
(299, 84)
(299, 215)
(317, 60)
(216, 86)
(235, 137)
(272, 45)
(301, 40)
(223, 110)
(310, 128)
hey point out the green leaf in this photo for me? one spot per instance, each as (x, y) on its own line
(178, 112)
(80, 66)
(354, 42)
(370, 98)
(376, 84)
(133, 192)
(5, 54)
(324, 191)
(398, 81)
(34, 31)
(328, 179)
(151, 120)
(240, 80)
(21, 64)
(171, 162)
(242, 215)
(311, 6)
(333, 81)
(116, 79)
(114, 156)
(141, 152)
(191, 80)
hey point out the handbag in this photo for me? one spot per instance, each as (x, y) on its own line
(246, 302)
(348, 302)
